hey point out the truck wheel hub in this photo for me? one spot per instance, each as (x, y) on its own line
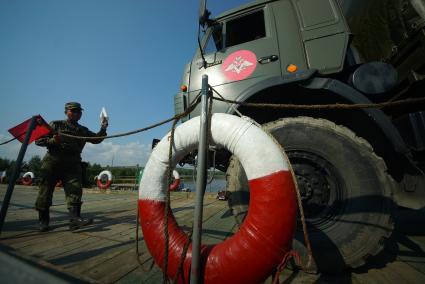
(319, 187)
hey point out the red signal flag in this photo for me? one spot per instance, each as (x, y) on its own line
(41, 129)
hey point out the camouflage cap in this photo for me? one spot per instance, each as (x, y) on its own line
(73, 105)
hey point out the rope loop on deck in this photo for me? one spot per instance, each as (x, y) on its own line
(286, 258)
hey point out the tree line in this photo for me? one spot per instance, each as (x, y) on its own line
(34, 165)
(91, 170)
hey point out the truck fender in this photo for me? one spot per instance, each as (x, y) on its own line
(272, 82)
(341, 89)
(353, 96)
(396, 154)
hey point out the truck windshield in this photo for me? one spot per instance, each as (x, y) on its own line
(239, 30)
(215, 40)
(246, 28)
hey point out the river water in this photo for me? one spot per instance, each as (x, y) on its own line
(216, 185)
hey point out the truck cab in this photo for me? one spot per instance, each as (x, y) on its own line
(353, 166)
(263, 43)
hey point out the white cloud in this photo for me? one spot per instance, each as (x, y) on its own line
(11, 150)
(108, 153)
(105, 153)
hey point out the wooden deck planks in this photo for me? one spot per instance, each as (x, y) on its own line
(105, 251)
(214, 229)
(115, 268)
(395, 272)
(101, 254)
(81, 247)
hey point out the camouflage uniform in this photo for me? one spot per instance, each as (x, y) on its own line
(63, 162)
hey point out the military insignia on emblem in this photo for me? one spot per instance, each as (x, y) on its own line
(239, 65)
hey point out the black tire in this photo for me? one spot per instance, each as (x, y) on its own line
(346, 192)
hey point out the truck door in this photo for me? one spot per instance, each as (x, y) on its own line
(240, 50)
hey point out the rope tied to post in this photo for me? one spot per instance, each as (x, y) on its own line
(176, 117)
(196, 101)
(322, 106)
(293, 253)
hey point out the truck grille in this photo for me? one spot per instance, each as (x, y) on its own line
(179, 104)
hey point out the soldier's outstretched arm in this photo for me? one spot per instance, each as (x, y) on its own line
(43, 141)
(101, 133)
(49, 139)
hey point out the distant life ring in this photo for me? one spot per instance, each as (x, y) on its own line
(251, 254)
(108, 182)
(59, 183)
(3, 177)
(28, 178)
(176, 181)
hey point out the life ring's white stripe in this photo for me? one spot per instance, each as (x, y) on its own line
(226, 130)
(176, 175)
(106, 172)
(175, 184)
(31, 174)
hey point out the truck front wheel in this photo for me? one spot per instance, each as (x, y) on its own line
(345, 190)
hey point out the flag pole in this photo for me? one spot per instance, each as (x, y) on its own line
(15, 174)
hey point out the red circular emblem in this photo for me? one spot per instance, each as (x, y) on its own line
(239, 65)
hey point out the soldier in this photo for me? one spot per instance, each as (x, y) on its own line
(63, 162)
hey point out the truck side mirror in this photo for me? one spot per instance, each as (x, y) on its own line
(203, 13)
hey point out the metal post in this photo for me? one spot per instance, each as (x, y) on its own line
(195, 273)
(15, 173)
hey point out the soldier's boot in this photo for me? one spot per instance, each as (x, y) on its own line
(44, 219)
(76, 221)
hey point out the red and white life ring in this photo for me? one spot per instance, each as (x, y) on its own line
(108, 182)
(176, 182)
(59, 183)
(252, 253)
(28, 178)
(3, 177)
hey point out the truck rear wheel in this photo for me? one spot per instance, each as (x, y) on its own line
(346, 192)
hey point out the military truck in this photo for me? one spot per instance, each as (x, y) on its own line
(353, 166)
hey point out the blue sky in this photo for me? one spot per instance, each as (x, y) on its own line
(125, 55)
